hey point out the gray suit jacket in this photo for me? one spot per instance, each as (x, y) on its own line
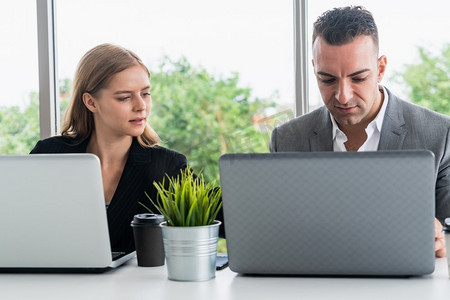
(405, 126)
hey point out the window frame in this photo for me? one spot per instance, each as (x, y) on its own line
(301, 80)
(47, 62)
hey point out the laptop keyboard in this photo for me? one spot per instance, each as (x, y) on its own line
(116, 255)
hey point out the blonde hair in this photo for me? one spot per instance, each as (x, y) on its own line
(94, 71)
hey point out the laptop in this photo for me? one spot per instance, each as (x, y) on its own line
(330, 213)
(53, 215)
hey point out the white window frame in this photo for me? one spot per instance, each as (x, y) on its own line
(49, 114)
(301, 80)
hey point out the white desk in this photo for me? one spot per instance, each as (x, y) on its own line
(133, 282)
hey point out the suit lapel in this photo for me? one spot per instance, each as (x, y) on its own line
(321, 138)
(393, 131)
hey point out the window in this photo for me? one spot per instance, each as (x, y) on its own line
(222, 71)
(19, 98)
(245, 44)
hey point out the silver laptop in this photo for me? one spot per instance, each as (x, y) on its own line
(325, 213)
(52, 214)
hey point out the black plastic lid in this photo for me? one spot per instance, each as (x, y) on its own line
(447, 225)
(147, 219)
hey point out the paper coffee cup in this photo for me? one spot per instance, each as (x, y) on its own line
(148, 240)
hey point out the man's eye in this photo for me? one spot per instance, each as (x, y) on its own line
(123, 98)
(328, 81)
(358, 79)
(146, 94)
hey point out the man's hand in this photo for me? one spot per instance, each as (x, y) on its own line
(439, 239)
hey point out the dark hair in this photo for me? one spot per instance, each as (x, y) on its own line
(342, 25)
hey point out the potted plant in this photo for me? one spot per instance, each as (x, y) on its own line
(190, 231)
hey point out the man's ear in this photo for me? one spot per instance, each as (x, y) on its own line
(89, 102)
(382, 62)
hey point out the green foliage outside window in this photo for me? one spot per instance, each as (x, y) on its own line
(19, 129)
(203, 117)
(428, 80)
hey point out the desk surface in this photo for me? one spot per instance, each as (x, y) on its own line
(133, 282)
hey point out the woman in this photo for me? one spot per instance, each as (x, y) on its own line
(107, 116)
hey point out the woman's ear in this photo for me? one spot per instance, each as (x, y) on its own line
(89, 102)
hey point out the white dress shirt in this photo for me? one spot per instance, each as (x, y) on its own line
(373, 131)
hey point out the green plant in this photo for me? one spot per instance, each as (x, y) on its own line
(186, 200)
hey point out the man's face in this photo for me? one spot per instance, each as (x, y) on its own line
(348, 77)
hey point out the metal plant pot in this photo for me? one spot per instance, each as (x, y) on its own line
(191, 251)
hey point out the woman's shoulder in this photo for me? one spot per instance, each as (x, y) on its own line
(58, 144)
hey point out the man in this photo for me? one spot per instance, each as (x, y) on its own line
(360, 114)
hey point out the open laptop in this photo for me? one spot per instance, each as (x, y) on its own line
(330, 213)
(53, 216)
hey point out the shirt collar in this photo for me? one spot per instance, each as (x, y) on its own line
(380, 117)
(335, 128)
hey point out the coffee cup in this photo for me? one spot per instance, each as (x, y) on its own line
(148, 240)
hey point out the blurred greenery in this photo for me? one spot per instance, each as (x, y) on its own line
(428, 79)
(203, 116)
(19, 129)
(222, 246)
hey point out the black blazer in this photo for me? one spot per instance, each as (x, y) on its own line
(143, 167)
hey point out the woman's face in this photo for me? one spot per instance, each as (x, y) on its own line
(122, 108)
